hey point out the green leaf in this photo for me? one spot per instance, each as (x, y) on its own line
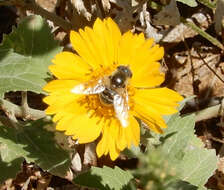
(25, 55)
(35, 144)
(185, 152)
(10, 163)
(191, 3)
(177, 155)
(104, 178)
(181, 185)
(208, 3)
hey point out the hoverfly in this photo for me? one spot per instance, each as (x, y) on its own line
(112, 91)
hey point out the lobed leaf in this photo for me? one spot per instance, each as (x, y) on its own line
(208, 3)
(191, 3)
(10, 163)
(35, 144)
(104, 178)
(185, 152)
(25, 55)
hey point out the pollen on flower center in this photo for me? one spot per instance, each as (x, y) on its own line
(95, 108)
(100, 73)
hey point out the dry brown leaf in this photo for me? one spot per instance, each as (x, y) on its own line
(106, 5)
(49, 5)
(124, 15)
(90, 158)
(76, 163)
(150, 31)
(81, 9)
(197, 73)
(168, 16)
(181, 31)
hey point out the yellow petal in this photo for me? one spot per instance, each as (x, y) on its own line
(113, 151)
(57, 117)
(60, 97)
(102, 146)
(145, 68)
(64, 122)
(151, 104)
(164, 96)
(64, 103)
(109, 140)
(57, 105)
(80, 45)
(68, 65)
(150, 116)
(164, 103)
(132, 132)
(97, 46)
(121, 141)
(128, 46)
(115, 35)
(60, 86)
(134, 125)
(83, 128)
(129, 135)
(103, 43)
(148, 75)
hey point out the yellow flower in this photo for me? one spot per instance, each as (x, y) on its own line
(100, 50)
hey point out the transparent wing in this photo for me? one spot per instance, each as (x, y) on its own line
(121, 108)
(93, 88)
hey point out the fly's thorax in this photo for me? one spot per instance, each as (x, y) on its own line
(116, 83)
(120, 77)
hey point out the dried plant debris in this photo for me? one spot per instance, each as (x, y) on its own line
(106, 5)
(181, 31)
(124, 14)
(30, 177)
(168, 16)
(196, 71)
(81, 9)
(49, 5)
(148, 29)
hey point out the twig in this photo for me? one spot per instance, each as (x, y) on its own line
(18, 111)
(31, 5)
(208, 113)
(211, 69)
(216, 139)
(24, 104)
(204, 34)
